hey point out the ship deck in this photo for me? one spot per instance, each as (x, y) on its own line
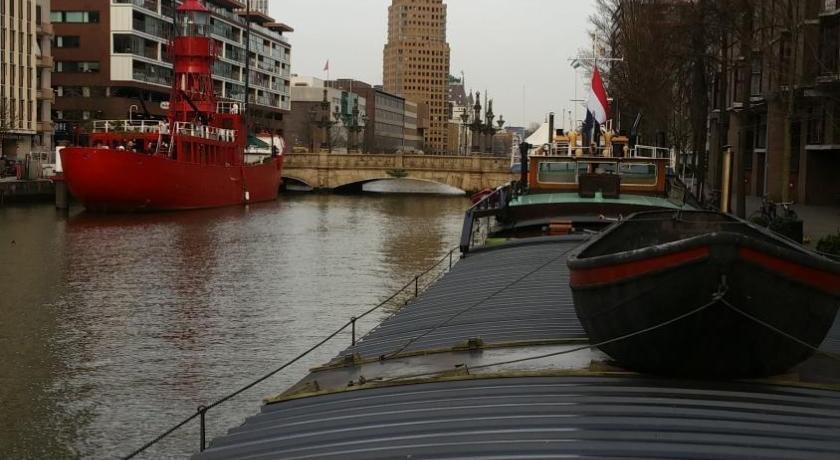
(452, 375)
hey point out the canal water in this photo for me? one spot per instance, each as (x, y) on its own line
(113, 328)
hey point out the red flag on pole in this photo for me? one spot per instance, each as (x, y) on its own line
(597, 103)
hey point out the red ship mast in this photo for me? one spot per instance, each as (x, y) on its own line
(193, 98)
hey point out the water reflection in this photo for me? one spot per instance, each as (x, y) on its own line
(113, 327)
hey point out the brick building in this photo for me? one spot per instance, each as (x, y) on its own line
(416, 62)
(777, 79)
(111, 61)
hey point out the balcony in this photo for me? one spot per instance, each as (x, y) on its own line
(45, 61)
(43, 126)
(45, 28)
(45, 94)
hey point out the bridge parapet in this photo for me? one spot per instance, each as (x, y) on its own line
(326, 170)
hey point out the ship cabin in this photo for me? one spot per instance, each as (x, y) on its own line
(567, 187)
(613, 168)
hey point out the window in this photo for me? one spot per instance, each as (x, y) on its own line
(755, 77)
(78, 17)
(558, 172)
(637, 173)
(76, 66)
(67, 41)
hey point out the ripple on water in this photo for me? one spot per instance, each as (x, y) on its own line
(114, 327)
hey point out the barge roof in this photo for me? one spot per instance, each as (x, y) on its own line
(575, 404)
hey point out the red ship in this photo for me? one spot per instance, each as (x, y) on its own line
(195, 159)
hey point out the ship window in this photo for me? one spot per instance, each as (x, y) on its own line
(559, 172)
(637, 173)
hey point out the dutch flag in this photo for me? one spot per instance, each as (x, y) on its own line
(597, 104)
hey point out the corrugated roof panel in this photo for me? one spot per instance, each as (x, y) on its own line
(537, 307)
(539, 417)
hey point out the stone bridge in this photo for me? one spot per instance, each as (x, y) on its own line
(332, 171)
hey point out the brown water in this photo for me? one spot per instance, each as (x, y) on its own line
(113, 328)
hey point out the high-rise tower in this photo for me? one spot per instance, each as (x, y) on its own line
(416, 63)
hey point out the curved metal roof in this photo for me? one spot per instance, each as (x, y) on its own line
(502, 297)
(523, 415)
(542, 417)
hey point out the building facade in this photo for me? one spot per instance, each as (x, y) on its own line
(111, 61)
(25, 72)
(393, 123)
(416, 62)
(776, 103)
(305, 127)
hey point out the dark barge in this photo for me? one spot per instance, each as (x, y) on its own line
(739, 290)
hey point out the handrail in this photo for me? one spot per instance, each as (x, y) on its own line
(491, 204)
(201, 411)
(141, 126)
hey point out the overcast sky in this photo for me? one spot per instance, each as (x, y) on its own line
(501, 45)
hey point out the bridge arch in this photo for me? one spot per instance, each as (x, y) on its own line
(296, 183)
(356, 186)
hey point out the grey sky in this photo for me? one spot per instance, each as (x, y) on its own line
(500, 45)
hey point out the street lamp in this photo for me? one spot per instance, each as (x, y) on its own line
(321, 118)
(465, 122)
(476, 125)
(351, 123)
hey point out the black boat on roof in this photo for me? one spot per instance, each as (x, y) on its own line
(719, 278)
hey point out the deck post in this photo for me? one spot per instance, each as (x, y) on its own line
(416, 286)
(353, 330)
(202, 411)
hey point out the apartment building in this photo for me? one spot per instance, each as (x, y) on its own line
(416, 62)
(112, 62)
(25, 69)
(786, 75)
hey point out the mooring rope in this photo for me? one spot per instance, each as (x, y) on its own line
(718, 296)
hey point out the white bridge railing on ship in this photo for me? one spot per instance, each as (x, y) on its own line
(130, 126)
(184, 128)
(647, 151)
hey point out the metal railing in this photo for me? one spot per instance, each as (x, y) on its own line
(185, 128)
(647, 151)
(129, 126)
(491, 205)
(413, 289)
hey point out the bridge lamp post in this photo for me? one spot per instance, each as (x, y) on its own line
(351, 123)
(321, 118)
(465, 123)
(488, 129)
(501, 123)
(476, 125)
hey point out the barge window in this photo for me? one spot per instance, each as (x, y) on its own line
(559, 172)
(637, 173)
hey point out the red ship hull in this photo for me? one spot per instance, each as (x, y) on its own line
(110, 180)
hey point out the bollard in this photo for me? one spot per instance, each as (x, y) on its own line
(353, 330)
(61, 199)
(202, 411)
(416, 286)
(450, 260)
